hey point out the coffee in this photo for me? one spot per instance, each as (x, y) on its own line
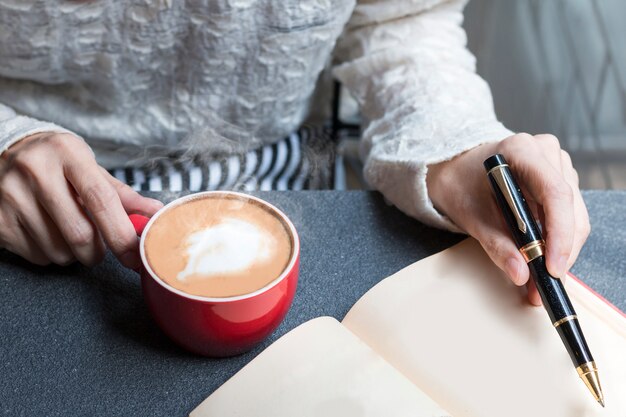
(218, 246)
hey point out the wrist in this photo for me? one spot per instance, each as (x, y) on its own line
(447, 181)
(438, 178)
(29, 140)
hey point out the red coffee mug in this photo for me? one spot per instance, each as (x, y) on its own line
(224, 326)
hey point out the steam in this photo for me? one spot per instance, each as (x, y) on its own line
(303, 163)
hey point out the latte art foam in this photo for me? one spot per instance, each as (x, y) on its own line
(218, 246)
(231, 246)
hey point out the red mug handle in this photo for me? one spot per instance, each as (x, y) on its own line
(139, 222)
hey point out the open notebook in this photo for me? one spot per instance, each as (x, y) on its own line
(446, 336)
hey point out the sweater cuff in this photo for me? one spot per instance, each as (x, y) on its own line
(403, 182)
(496, 134)
(19, 127)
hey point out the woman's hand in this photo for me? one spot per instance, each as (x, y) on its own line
(459, 188)
(58, 205)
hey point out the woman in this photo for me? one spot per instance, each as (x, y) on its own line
(88, 86)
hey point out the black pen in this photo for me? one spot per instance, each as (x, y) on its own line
(530, 242)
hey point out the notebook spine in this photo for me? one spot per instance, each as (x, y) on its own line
(592, 291)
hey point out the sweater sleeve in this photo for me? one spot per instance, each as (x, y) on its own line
(14, 127)
(406, 63)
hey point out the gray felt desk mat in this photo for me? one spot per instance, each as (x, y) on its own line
(77, 341)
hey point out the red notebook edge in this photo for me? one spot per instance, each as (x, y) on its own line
(591, 290)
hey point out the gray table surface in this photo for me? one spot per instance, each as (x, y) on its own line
(77, 341)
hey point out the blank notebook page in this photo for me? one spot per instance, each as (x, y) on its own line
(457, 328)
(318, 369)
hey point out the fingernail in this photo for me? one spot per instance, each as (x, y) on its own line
(130, 260)
(156, 203)
(536, 301)
(512, 267)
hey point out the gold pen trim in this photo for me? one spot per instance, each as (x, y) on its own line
(498, 175)
(533, 250)
(588, 372)
(564, 319)
(586, 368)
(496, 167)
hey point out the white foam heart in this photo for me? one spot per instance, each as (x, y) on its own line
(228, 247)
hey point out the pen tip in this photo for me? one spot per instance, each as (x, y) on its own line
(589, 374)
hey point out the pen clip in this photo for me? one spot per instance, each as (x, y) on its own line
(505, 187)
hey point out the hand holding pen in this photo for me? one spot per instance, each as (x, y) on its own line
(528, 238)
(544, 171)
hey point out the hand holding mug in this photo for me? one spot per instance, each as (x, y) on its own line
(57, 205)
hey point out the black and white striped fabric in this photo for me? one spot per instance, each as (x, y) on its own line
(303, 160)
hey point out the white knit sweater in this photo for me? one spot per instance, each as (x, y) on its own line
(138, 78)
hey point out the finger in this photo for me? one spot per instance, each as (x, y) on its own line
(132, 201)
(535, 208)
(582, 230)
(27, 213)
(542, 218)
(23, 245)
(42, 229)
(561, 160)
(105, 207)
(46, 178)
(504, 254)
(78, 231)
(551, 144)
(13, 237)
(551, 150)
(582, 227)
(548, 188)
(554, 155)
(533, 294)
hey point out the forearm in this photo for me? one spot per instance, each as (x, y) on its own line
(421, 98)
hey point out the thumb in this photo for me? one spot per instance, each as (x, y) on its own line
(132, 201)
